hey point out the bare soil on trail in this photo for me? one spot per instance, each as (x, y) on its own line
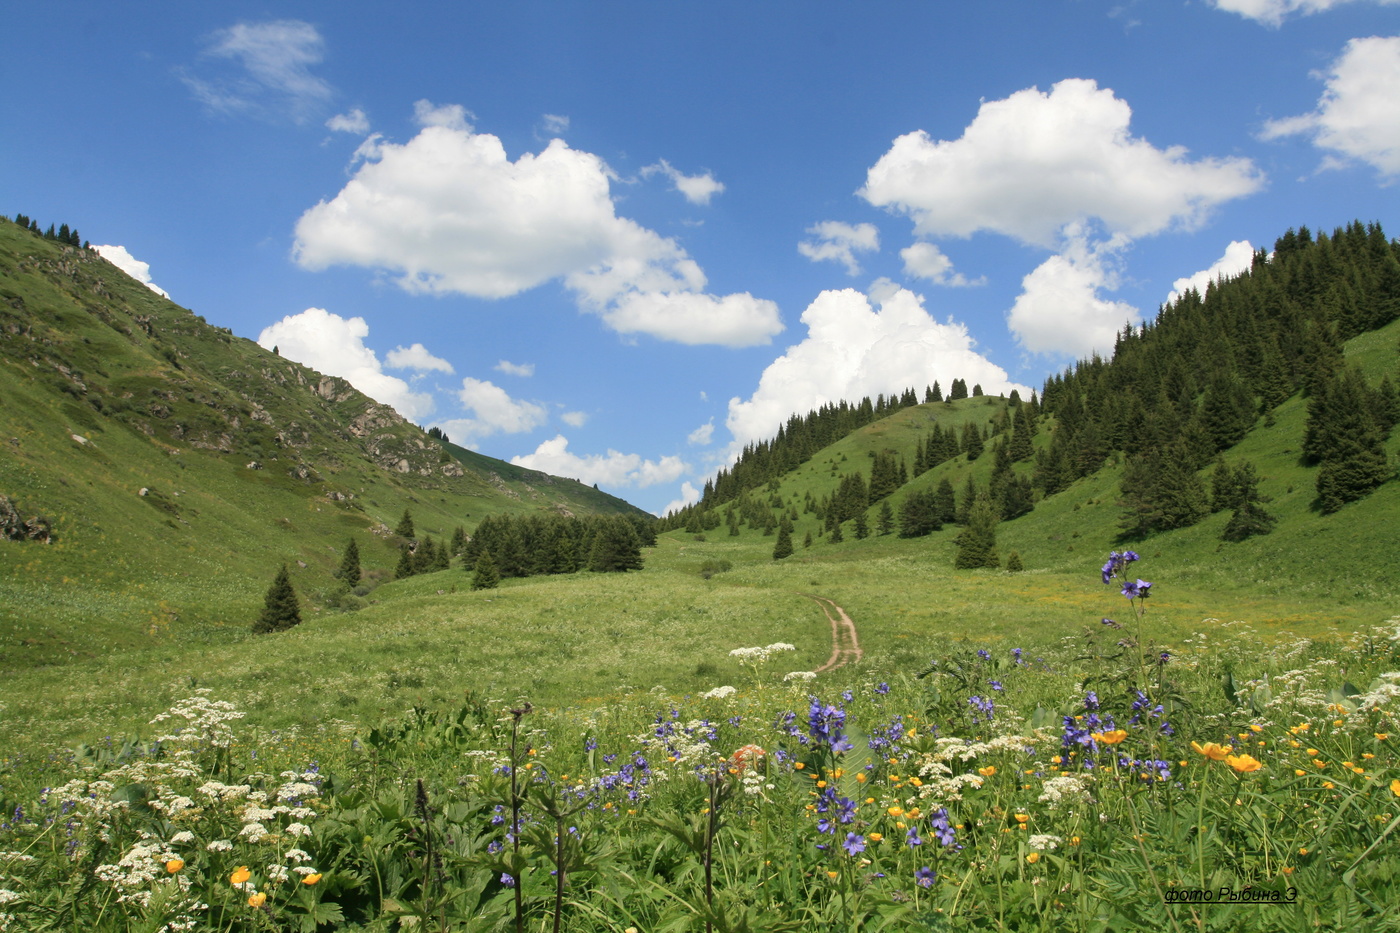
(845, 646)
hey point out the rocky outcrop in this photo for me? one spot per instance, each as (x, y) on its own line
(15, 527)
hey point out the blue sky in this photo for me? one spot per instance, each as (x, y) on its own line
(618, 241)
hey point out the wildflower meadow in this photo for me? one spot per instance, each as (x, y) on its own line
(1107, 781)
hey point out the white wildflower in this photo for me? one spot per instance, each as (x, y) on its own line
(719, 693)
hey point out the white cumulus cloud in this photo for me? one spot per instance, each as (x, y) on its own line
(1273, 12)
(574, 419)
(689, 496)
(555, 124)
(1238, 257)
(416, 358)
(353, 122)
(492, 411)
(449, 212)
(697, 189)
(335, 346)
(702, 435)
(138, 270)
(611, 469)
(1033, 163)
(1060, 311)
(835, 241)
(925, 261)
(1358, 115)
(855, 349)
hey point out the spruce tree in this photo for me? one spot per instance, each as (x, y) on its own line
(1160, 491)
(945, 502)
(442, 560)
(405, 567)
(350, 565)
(404, 529)
(485, 576)
(1013, 562)
(884, 524)
(459, 540)
(836, 536)
(280, 609)
(1249, 518)
(425, 556)
(783, 547)
(862, 526)
(977, 543)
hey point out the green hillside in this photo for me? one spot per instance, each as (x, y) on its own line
(1228, 377)
(176, 466)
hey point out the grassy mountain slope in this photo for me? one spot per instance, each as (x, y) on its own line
(1309, 554)
(247, 460)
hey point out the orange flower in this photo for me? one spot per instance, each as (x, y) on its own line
(1111, 738)
(987, 771)
(1244, 763)
(1033, 857)
(1022, 817)
(174, 865)
(1395, 787)
(240, 875)
(311, 879)
(1211, 750)
(257, 900)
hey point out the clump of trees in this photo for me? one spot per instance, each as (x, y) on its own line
(63, 234)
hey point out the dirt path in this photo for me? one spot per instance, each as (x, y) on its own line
(845, 647)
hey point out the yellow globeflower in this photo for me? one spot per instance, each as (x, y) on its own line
(257, 900)
(987, 771)
(1033, 857)
(1111, 738)
(1395, 787)
(174, 865)
(1022, 817)
(311, 879)
(1244, 763)
(1212, 750)
(240, 875)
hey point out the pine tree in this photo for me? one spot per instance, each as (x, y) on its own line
(425, 556)
(959, 390)
(1249, 518)
(972, 441)
(280, 609)
(945, 502)
(404, 529)
(459, 540)
(783, 547)
(1021, 446)
(1013, 562)
(862, 526)
(405, 567)
(1161, 491)
(977, 543)
(1343, 435)
(807, 540)
(350, 565)
(442, 560)
(836, 536)
(615, 546)
(884, 524)
(485, 576)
